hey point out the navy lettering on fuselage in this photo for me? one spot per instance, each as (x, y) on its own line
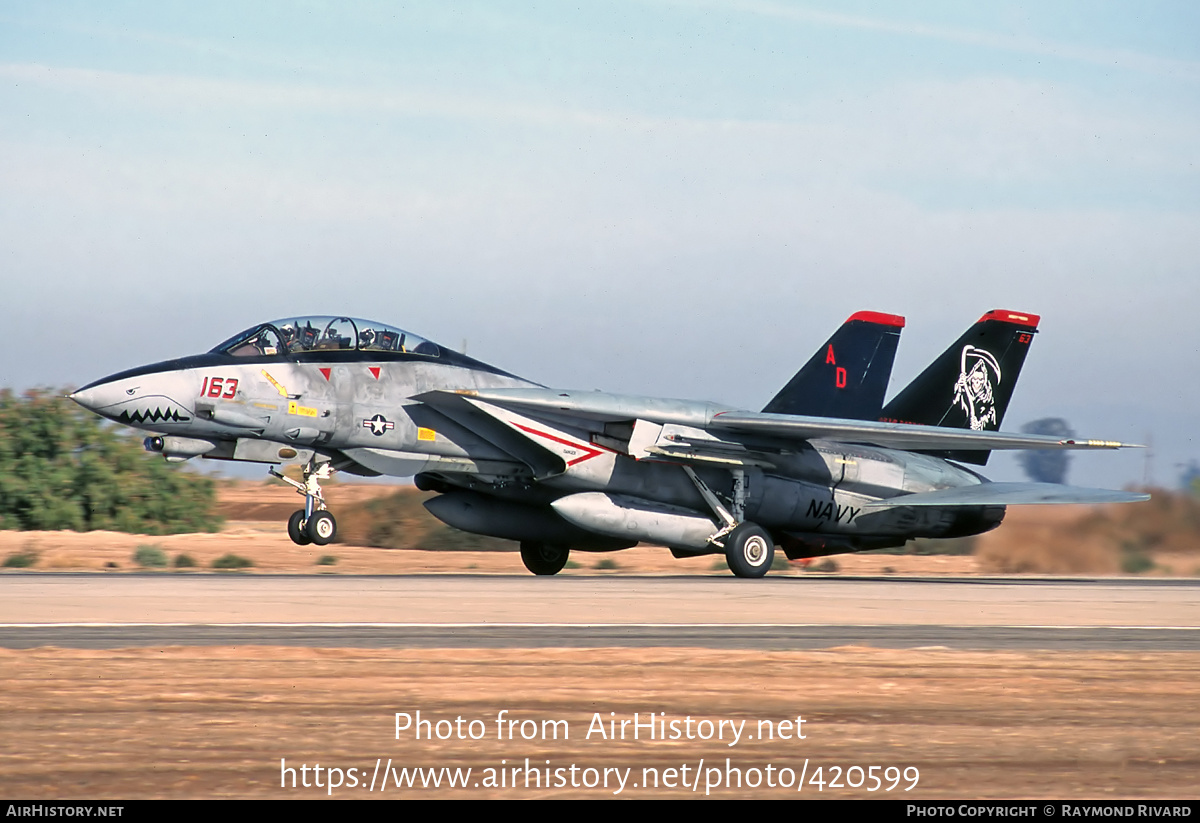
(830, 511)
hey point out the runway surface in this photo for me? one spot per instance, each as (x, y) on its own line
(493, 611)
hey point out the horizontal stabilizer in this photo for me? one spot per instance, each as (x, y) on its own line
(1011, 494)
(895, 435)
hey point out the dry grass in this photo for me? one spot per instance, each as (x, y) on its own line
(1159, 535)
(399, 521)
(216, 722)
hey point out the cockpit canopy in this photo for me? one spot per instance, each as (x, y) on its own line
(308, 334)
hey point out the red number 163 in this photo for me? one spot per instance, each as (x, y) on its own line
(225, 387)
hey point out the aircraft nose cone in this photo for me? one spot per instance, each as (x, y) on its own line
(98, 396)
(86, 398)
(144, 400)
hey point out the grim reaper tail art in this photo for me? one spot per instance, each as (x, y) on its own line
(975, 390)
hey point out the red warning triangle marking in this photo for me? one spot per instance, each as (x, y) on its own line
(326, 372)
(374, 370)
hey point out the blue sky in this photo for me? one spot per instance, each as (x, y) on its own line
(673, 198)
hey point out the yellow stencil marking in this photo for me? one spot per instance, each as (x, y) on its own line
(426, 434)
(296, 408)
(282, 391)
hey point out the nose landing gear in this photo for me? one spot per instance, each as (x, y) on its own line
(314, 523)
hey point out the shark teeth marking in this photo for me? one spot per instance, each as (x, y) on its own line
(146, 416)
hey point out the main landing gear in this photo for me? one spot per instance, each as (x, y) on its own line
(749, 550)
(544, 558)
(314, 523)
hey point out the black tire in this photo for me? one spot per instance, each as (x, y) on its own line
(296, 529)
(544, 558)
(321, 528)
(749, 550)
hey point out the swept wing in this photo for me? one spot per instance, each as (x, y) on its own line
(601, 407)
(1010, 494)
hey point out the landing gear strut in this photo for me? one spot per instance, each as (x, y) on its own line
(313, 523)
(749, 550)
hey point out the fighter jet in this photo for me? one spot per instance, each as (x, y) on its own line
(824, 468)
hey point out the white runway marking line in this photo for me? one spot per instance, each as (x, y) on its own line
(576, 626)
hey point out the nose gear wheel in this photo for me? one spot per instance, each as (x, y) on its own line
(296, 529)
(314, 523)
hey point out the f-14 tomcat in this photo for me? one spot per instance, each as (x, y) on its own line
(824, 468)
